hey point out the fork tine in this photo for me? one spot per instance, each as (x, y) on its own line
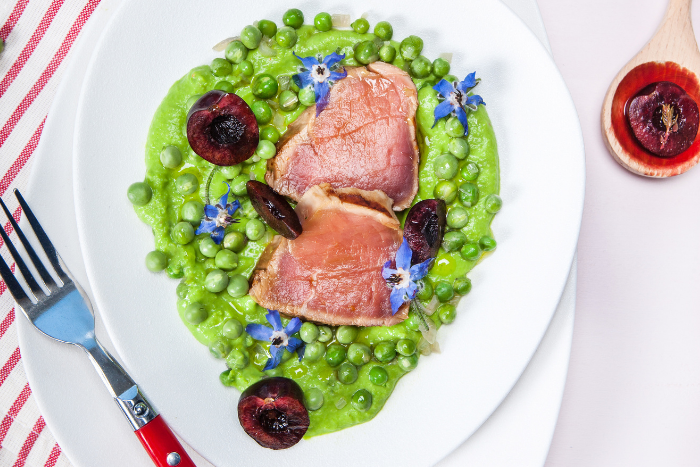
(45, 276)
(28, 276)
(43, 238)
(13, 286)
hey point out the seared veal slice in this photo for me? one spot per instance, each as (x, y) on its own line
(365, 138)
(332, 272)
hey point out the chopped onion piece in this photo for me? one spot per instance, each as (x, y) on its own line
(252, 175)
(273, 104)
(365, 15)
(435, 347)
(222, 45)
(447, 57)
(427, 141)
(278, 121)
(424, 347)
(429, 334)
(432, 306)
(255, 158)
(340, 20)
(340, 403)
(265, 49)
(285, 81)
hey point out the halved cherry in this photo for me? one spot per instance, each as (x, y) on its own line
(274, 209)
(424, 228)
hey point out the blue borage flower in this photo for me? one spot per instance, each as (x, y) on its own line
(402, 280)
(319, 72)
(278, 337)
(456, 99)
(218, 217)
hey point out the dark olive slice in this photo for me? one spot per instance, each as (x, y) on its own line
(222, 129)
(424, 228)
(274, 209)
(272, 412)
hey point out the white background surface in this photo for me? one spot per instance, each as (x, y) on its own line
(632, 397)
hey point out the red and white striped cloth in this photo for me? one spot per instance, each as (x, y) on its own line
(39, 36)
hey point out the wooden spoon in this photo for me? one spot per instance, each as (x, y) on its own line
(671, 55)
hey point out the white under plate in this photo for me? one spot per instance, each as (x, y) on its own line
(149, 45)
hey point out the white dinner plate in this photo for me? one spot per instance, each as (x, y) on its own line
(149, 45)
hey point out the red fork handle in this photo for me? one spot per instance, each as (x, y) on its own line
(162, 445)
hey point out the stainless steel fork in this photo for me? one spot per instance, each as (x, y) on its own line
(63, 312)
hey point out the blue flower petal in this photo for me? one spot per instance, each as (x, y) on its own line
(468, 83)
(293, 327)
(211, 211)
(273, 317)
(296, 345)
(442, 110)
(307, 61)
(336, 76)
(276, 353)
(387, 271)
(218, 235)
(303, 79)
(411, 290)
(224, 197)
(205, 227)
(300, 352)
(462, 117)
(233, 207)
(444, 87)
(332, 59)
(419, 270)
(323, 96)
(474, 101)
(403, 256)
(397, 299)
(259, 332)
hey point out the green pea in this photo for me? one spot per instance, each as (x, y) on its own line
(251, 36)
(246, 68)
(412, 323)
(454, 240)
(385, 351)
(406, 347)
(335, 354)
(445, 166)
(447, 313)
(236, 52)
(221, 67)
(444, 291)
(190, 102)
(457, 217)
(470, 171)
(383, 30)
(314, 351)
(493, 203)
(254, 229)
(323, 22)
(462, 285)
(425, 291)
(307, 96)
(237, 286)
(219, 348)
(293, 18)
(420, 67)
(232, 329)
(361, 400)
(262, 112)
(195, 313)
(346, 334)
(226, 260)
(224, 86)
(238, 187)
(264, 86)
(359, 354)
(170, 157)
(347, 373)
(468, 194)
(411, 47)
(270, 133)
(453, 127)
(286, 37)
(208, 247)
(487, 243)
(182, 233)
(407, 362)
(366, 52)
(470, 252)
(378, 376)
(156, 261)
(288, 100)
(182, 290)
(267, 28)
(308, 332)
(237, 359)
(324, 334)
(186, 183)
(234, 241)
(446, 190)
(313, 397)
(230, 171)
(216, 281)
(441, 67)
(139, 193)
(360, 25)
(458, 147)
(387, 53)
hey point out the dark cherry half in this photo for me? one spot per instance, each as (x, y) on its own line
(274, 209)
(424, 228)
(664, 118)
(222, 129)
(272, 412)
